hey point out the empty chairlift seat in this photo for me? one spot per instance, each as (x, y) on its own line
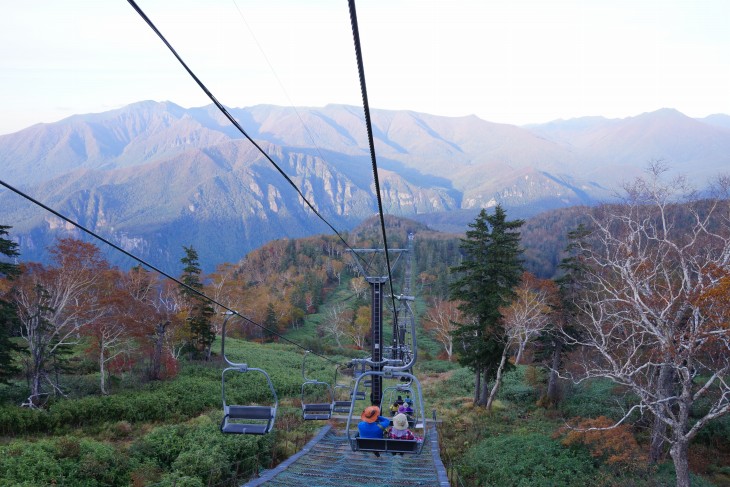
(245, 419)
(317, 411)
(313, 391)
(248, 420)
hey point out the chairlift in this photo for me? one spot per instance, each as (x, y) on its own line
(389, 398)
(360, 395)
(245, 420)
(342, 390)
(390, 445)
(315, 388)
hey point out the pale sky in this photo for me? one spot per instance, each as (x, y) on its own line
(507, 61)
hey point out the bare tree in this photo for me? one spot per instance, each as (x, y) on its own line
(359, 286)
(336, 321)
(523, 320)
(527, 315)
(53, 307)
(441, 320)
(652, 270)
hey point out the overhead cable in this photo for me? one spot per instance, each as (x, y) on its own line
(371, 142)
(159, 271)
(235, 123)
(278, 80)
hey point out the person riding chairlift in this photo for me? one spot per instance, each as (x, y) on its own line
(373, 425)
(397, 404)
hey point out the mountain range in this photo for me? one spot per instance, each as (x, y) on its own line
(153, 176)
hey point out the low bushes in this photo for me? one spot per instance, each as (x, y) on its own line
(197, 452)
(530, 460)
(63, 461)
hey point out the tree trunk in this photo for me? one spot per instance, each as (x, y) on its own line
(520, 351)
(485, 387)
(553, 390)
(659, 428)
(36, 379)
(497, 380)
(656, 448)
(477, 385)
(679, 453)
(102, 373)
(35, 390)
(156, 364)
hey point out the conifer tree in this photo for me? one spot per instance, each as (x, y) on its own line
(8, 314)
(200, 311)
(491, 268)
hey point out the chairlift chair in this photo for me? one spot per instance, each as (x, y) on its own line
(315, 410)
(389, 397)
(390, 445)
(341, 405)
(246, 420)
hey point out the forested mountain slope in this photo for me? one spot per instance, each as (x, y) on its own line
(153, 176)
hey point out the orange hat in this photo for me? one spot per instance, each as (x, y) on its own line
(370, 415)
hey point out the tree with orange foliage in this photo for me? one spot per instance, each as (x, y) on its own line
(615, 445)
(652, 306)
(54, 306)
(112, 334)
(155, 314)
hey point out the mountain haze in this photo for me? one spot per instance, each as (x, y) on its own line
(155, 176)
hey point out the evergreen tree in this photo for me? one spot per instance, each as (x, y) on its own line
(552, 346)
(200, 311)
(8, 312)
(491, 268)
(271, 323)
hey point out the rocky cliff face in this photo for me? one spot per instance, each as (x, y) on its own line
(152, 177)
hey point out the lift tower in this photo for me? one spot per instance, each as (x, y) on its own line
(377, 283)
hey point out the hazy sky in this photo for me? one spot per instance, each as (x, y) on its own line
(510, 61)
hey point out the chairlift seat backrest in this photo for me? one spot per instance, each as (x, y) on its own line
(234, 415)
(388, 445)
(317, 407)
(245, 420)
(341, 406)
(315, 410)
(250, 412)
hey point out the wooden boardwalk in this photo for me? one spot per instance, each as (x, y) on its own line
(328, 461)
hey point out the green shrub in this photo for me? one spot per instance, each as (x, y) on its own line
(14, 420)
(175, 479)
(65, 461)
(529, 460)
(197, 450)
(515, 388)
(436, 366)
(716, 433)
(206, 463)
(461, 383)
(162, 445)
(598, 397)
(666, 475)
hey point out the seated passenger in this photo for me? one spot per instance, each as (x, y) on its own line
(394, 409)
(373, 425)
(400, 430)
(407, 408)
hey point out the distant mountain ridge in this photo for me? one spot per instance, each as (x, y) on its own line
(154, 176)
